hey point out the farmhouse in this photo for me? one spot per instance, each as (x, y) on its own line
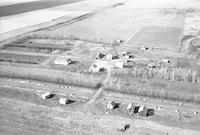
(62, 61)
(111, 56)
(95, 68)
(99, 66)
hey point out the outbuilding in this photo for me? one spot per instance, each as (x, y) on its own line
(151, 65)
(117, 42)
(63, 101)
(111, 105)
(143, 111)
(129, 56)
(124, 53)
(131, 108)
(143, 48)
(119, 64)
(166, 60)
(46, 95)
(111, 56)
(100, 55)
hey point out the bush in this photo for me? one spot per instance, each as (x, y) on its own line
(53, 76)
(167, 73)
(117, 85)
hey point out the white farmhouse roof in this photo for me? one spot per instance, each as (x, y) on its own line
(119, 64)
(98, 65)
(62, 61)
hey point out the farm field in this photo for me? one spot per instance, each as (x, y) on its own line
(164, 110)
(128, 68)
(106, 29)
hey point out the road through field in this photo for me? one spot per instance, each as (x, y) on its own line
(109, 71)
(100, 89)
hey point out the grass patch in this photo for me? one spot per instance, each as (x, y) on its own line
(166, 73)
(52, 76)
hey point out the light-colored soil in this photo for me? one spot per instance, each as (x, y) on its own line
(106, 26)
(59, 121)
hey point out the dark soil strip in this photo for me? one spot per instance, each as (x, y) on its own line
(16, 61)
(20, 58)
(31, 6)
(42, 46)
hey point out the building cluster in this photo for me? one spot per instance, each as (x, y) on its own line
(132, 109)
(102, 62)
(62, 100)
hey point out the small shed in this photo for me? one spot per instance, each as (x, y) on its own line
(62, 61)
(117, 42)
(131, 108)
(143, 111)
(143, 48)
(129, 56)
(123, 127)
(94, 68)
(111, 105)
(124, 53)
(111, 56)
(166, 60)
(63, 101)
(100, 55)
(151, 65)
(46, 95)
(119, 64)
